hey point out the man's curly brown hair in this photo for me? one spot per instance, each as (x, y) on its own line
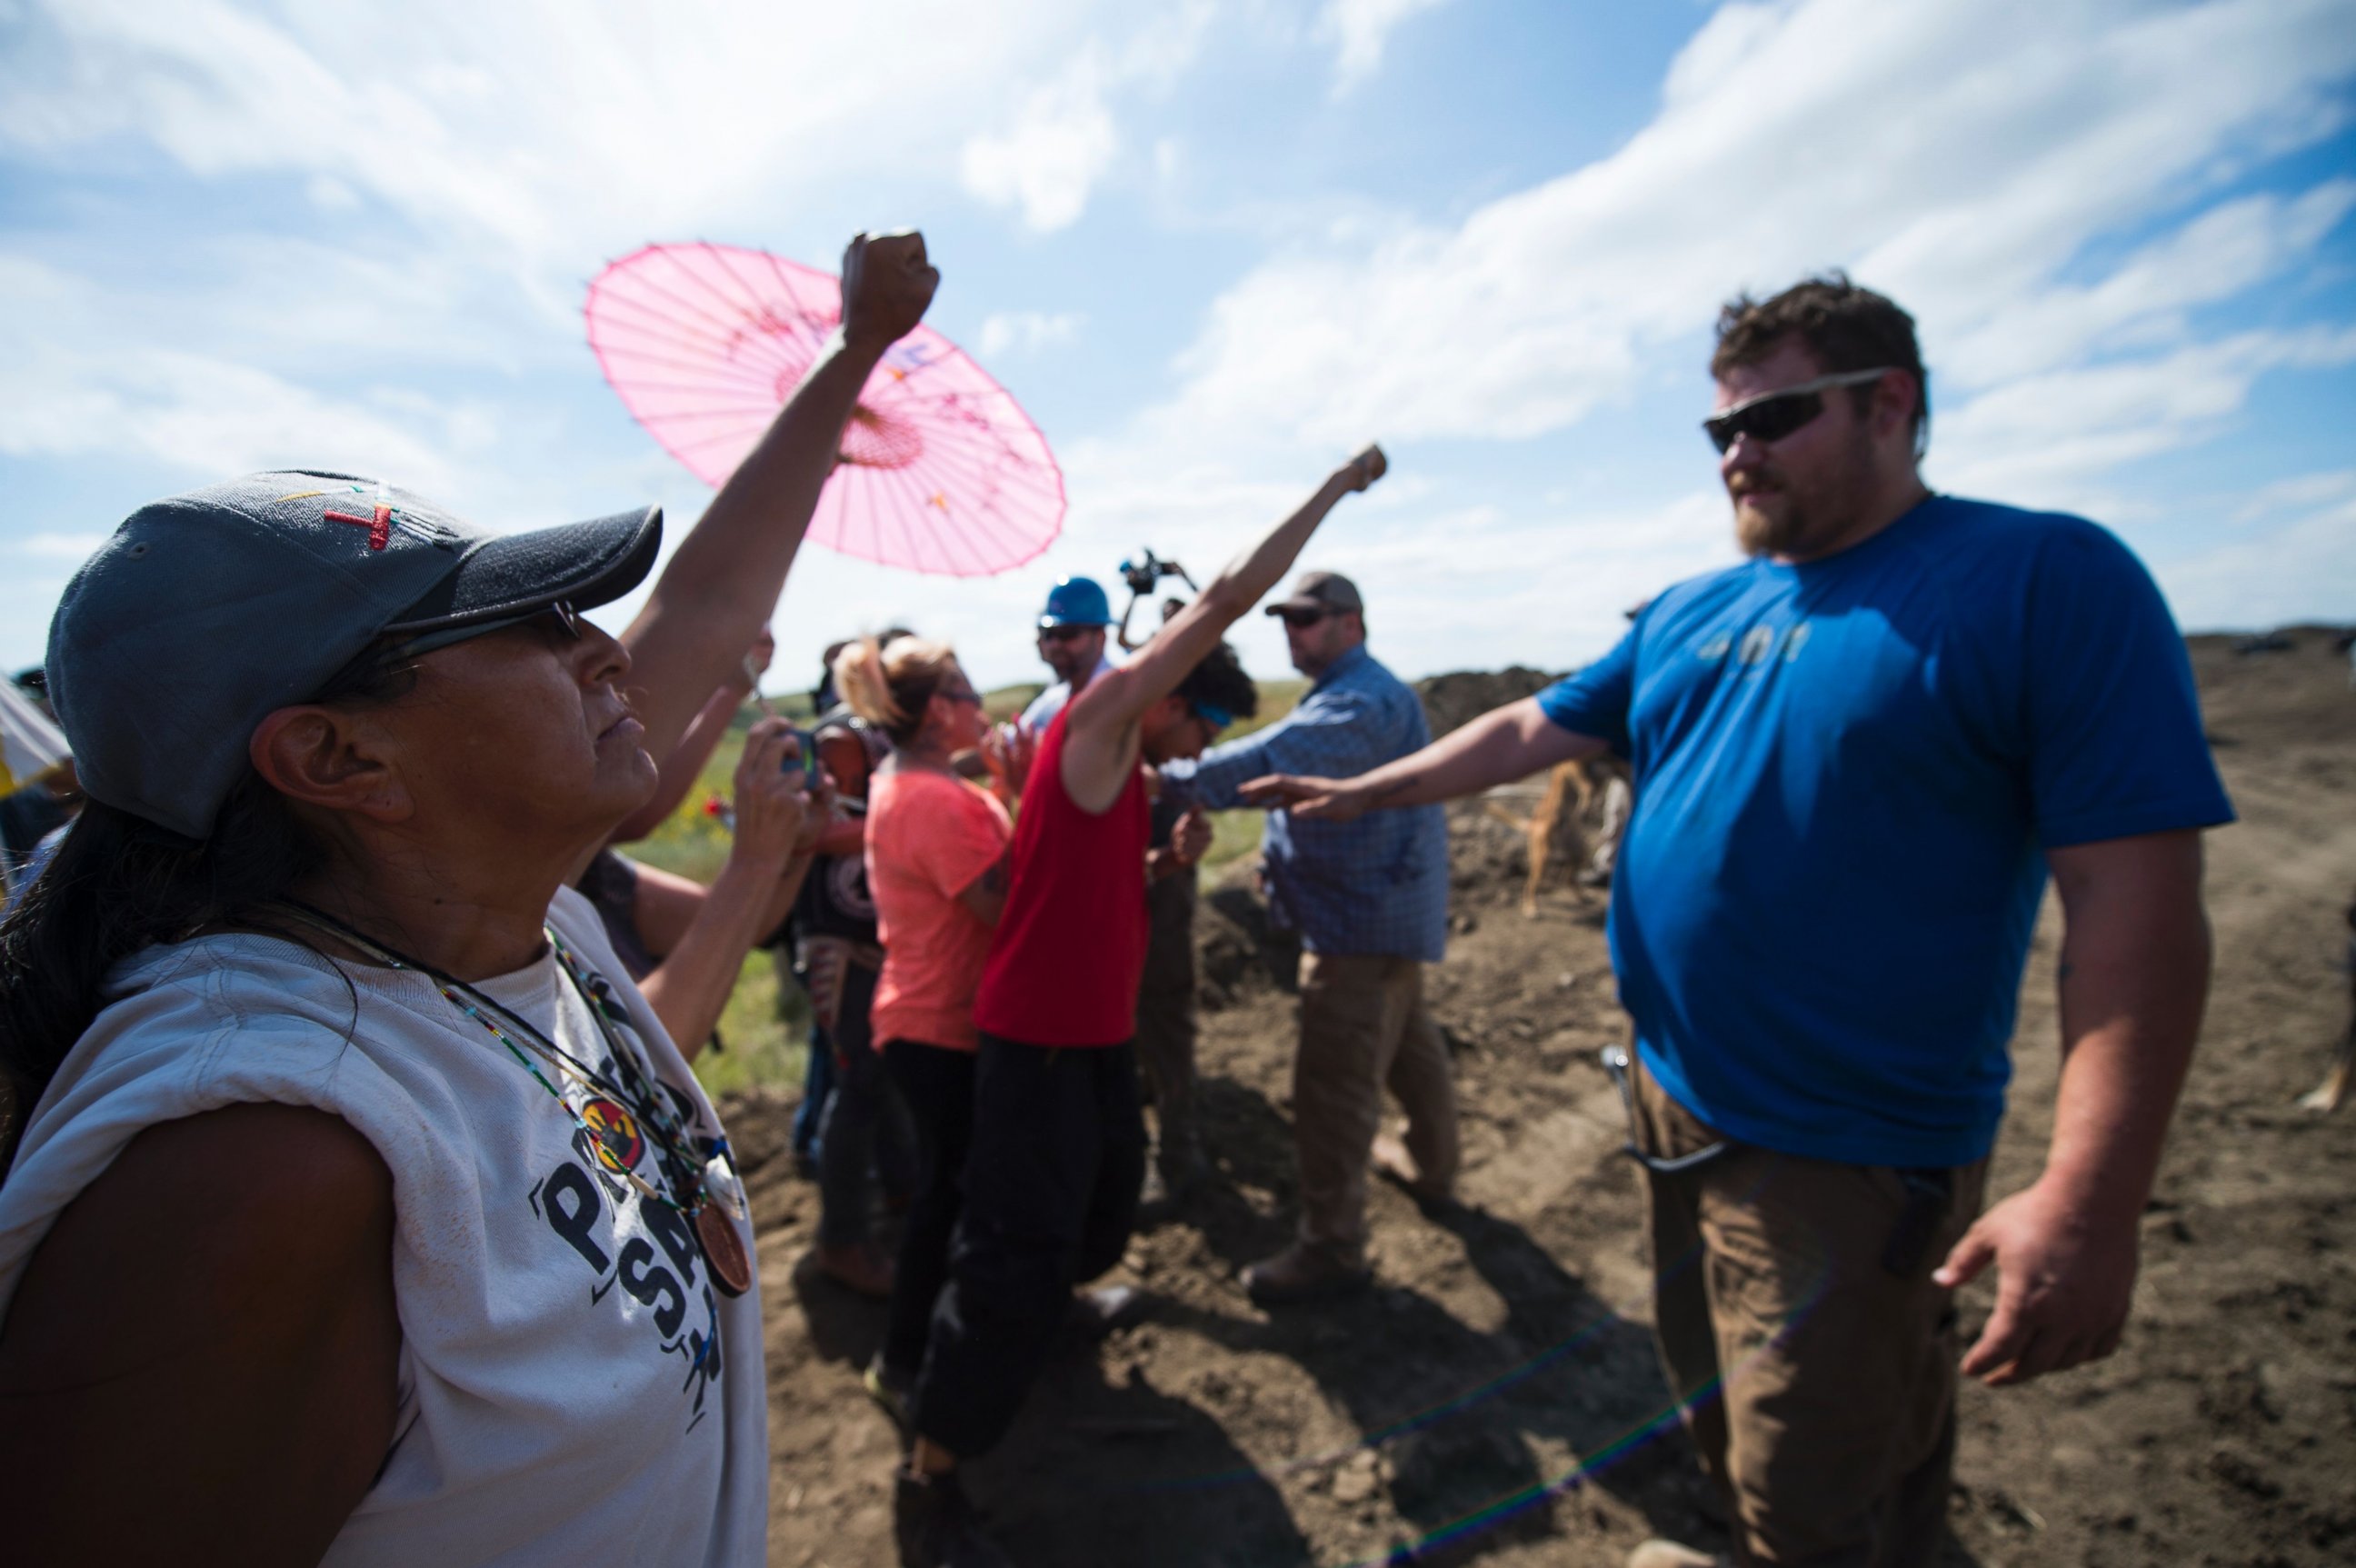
(1846, 328)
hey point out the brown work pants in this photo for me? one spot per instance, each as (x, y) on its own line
(1818, 1386)
(1363, 1028)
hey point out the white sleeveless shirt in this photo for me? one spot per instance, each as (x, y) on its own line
(572, 1386)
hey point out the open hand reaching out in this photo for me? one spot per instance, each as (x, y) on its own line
(1317, 799)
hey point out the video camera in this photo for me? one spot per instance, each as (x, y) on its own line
(1145, 569)
(1142, 572)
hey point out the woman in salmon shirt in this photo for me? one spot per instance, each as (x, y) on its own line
(1058, 1147)
(937, 866)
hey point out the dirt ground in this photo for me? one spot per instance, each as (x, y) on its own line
(1496, 1397)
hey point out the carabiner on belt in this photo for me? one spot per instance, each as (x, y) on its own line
(1615, 1062)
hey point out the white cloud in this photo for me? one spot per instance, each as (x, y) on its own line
(1049, 160)
(2046, 440)
(1027, 330)
(2232, 247)
(1967, 157)
(1359, 29)
(74, 383)
(1959, 154)
(2299, 492)
(1063, 140)
(552, 131)
(2256, 582)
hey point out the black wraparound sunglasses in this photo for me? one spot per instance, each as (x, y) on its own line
(1771, 416)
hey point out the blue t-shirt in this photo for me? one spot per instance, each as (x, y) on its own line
(1847, 772)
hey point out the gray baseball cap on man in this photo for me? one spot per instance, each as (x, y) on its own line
(206, 611)
(1329, 592)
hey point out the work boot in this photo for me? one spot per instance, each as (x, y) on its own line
(1391, 1158)
(935, 1527)
(1659, 1554)
(1300, 1273)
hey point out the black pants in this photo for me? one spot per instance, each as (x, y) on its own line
(1050, 1184)
(936, 1083)
(864, 1127)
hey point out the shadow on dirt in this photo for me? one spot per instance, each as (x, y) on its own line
(1103, 1468)
(1447, 1411)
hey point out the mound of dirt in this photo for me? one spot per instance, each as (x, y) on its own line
(1496, 1397)
(1450, 701)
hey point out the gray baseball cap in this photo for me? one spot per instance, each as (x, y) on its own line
(206, 611)
(1327, 591)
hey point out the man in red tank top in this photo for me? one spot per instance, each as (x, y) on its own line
(1058, 1148)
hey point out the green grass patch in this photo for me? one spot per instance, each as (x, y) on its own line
(766, 1028)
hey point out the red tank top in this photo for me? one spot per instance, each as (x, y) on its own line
(1070, 949)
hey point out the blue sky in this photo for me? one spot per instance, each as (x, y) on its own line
(1213, 245)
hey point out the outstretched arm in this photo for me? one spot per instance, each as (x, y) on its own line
(1502, 745)
(1099, 744)
(2135, 977)
(723, 581)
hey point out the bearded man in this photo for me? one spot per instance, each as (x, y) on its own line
(1856, 758)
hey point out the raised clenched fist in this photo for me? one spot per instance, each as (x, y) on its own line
(886, 285)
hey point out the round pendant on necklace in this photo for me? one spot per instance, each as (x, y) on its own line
(719, 1181)
(723, 1250)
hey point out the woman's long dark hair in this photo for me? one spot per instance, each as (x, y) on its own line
(119, 885)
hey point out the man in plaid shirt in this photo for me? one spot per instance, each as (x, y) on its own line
(1370, 901)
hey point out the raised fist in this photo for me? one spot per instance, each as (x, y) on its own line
(887, 286)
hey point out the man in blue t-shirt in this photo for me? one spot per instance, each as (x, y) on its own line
(1856, 758)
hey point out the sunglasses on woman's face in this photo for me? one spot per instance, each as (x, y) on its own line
(1771, 416)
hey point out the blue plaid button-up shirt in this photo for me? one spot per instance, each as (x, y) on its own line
(1378, 884)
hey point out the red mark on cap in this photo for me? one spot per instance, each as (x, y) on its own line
(379, 527)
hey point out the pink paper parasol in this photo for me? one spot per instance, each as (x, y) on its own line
(940, 471)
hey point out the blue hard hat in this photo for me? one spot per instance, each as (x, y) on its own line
(1076, 601)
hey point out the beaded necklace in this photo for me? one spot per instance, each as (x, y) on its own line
(717, 1197)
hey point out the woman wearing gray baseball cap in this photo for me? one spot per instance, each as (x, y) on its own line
(360, 1209)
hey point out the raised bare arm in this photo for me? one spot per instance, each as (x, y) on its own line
(1100, 741)
(723, 581)
(1501, 746)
